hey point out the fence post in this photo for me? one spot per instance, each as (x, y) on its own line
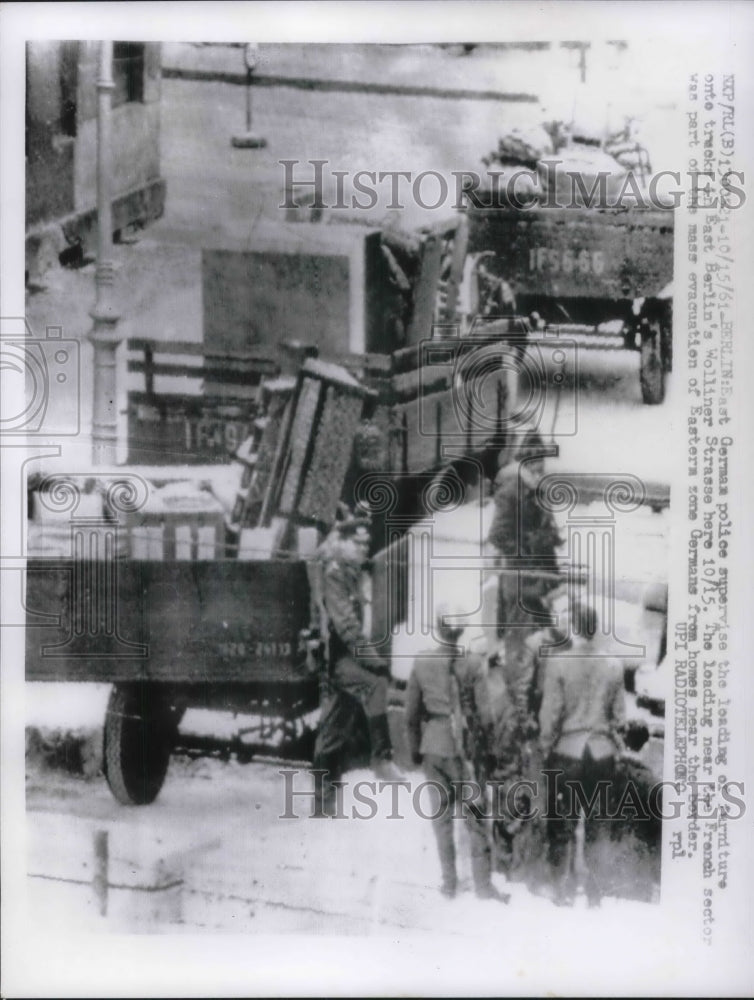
(101, 865)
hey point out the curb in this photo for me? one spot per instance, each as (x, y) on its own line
(345, 86)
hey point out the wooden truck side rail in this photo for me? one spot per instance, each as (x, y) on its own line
(210, 419)
(126, 620)
(575, 253)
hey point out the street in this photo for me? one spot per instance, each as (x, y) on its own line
(253, 871)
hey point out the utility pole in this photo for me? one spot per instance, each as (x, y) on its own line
(249, 139)
(104, 334)
(581, 48)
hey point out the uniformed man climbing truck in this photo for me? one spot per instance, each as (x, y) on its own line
(358, 680)
(446, 691)
(523, 528)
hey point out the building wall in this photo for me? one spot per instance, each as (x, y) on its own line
(49, 150)
(305, 282)
(61, 126)
(135, 155)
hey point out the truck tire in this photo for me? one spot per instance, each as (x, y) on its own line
(667, 347)
(652, 368)
(139, 735)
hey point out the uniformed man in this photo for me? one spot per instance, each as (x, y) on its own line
(583, 709)
(495, 296)
(518, 668)
(523, 529)
(356, 711)
(447, 697)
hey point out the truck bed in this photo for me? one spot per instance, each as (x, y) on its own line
(179, 622)
(578, 253)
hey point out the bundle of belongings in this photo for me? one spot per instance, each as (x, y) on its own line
(521, 146)
(165, 517)
(565, 168)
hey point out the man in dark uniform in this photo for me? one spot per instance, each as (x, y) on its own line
(359, 680)
(519, 828)
(583, 709)
(496, 296)
(523, 529)
(443, 687)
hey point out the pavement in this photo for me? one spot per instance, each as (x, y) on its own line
(267, 866)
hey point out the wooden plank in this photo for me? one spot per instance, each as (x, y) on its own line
(426, 290)
(194, 348)
(216, 372)
(166, 346)
(460, 247)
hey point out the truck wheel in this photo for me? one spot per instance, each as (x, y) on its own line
(652, 370)
(667, 347)
(139, 732)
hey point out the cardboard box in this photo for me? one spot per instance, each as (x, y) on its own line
(179, 522)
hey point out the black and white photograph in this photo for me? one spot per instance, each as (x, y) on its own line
(374, 441)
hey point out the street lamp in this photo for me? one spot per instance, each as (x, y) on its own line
(104, 334)
(248, 139)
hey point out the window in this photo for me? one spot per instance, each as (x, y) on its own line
(128, 72)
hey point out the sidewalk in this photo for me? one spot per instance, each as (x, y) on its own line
(485, 74)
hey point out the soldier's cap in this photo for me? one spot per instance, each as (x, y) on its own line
(354, 526)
